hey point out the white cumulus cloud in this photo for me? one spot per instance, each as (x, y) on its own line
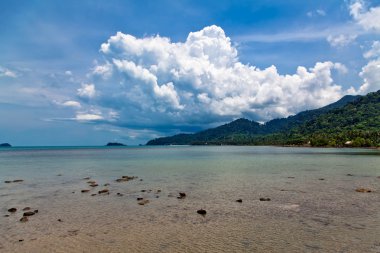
(369, 19)
(371, 72)
(153, 81)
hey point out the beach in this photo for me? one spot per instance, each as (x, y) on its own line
(292, 199)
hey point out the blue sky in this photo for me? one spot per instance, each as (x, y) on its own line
(67, 77)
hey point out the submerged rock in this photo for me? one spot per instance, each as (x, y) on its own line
(125, 179)
(103, 191)
(182, 195)
(59, 220)
(143, 202)
(26, 208)
(24, 219)
(18, 180)
(119, 194)
(349, 175)
(7, 182)
(91, 182)
(84, 191)
(86, 178)
(202, 212)
(138, 199)
(12, 210)
(239, 200)
(94, 185)
(264, 199)
(363, 190)
(321, 179)
(29, 213)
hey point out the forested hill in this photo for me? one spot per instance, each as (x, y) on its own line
(351, 121)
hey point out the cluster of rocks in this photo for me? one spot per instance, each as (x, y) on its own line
(27, 213)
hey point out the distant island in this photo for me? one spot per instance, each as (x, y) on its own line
(5, 145)
(353, 121)
(113, 144)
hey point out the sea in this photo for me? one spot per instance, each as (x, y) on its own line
(292, 199)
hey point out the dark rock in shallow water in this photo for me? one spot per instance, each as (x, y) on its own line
(239, 200)
(264, 199)
(5, 145)
(349, 175)
(202, 212)
(30, 213)
(143, 202)
(26, 208)
(182, 195)
(113, 144)
(24, 219)
(7, 182)
(59, 220)
(86, 178)
(119, 194)
(94, 194)
(85, 191)
(321, 179)
(125, 178)
(94, 185)
(103, 191)
(18, 180)
(363, 190)
(6, 215)
(12, 210)
(138, 199)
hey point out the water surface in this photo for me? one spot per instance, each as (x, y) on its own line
(313, 207)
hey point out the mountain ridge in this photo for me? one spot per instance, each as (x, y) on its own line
(303, 128)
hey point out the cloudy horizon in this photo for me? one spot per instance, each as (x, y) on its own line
(107, 74)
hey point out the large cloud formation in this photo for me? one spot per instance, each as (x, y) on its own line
(152, 81)
(371, 72)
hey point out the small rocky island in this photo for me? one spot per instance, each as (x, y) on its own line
(115, 144)
(5, 145)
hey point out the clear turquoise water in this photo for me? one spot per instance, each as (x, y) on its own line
(305, 214)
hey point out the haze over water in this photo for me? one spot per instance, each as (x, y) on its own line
(313, 208)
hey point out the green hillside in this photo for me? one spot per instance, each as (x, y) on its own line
(351, 121)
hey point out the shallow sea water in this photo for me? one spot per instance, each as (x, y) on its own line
(305, 214)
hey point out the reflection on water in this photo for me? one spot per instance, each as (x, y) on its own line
(313, 206)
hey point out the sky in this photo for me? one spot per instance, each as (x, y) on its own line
(90, 72)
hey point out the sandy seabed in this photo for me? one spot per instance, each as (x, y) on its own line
(305, 214)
